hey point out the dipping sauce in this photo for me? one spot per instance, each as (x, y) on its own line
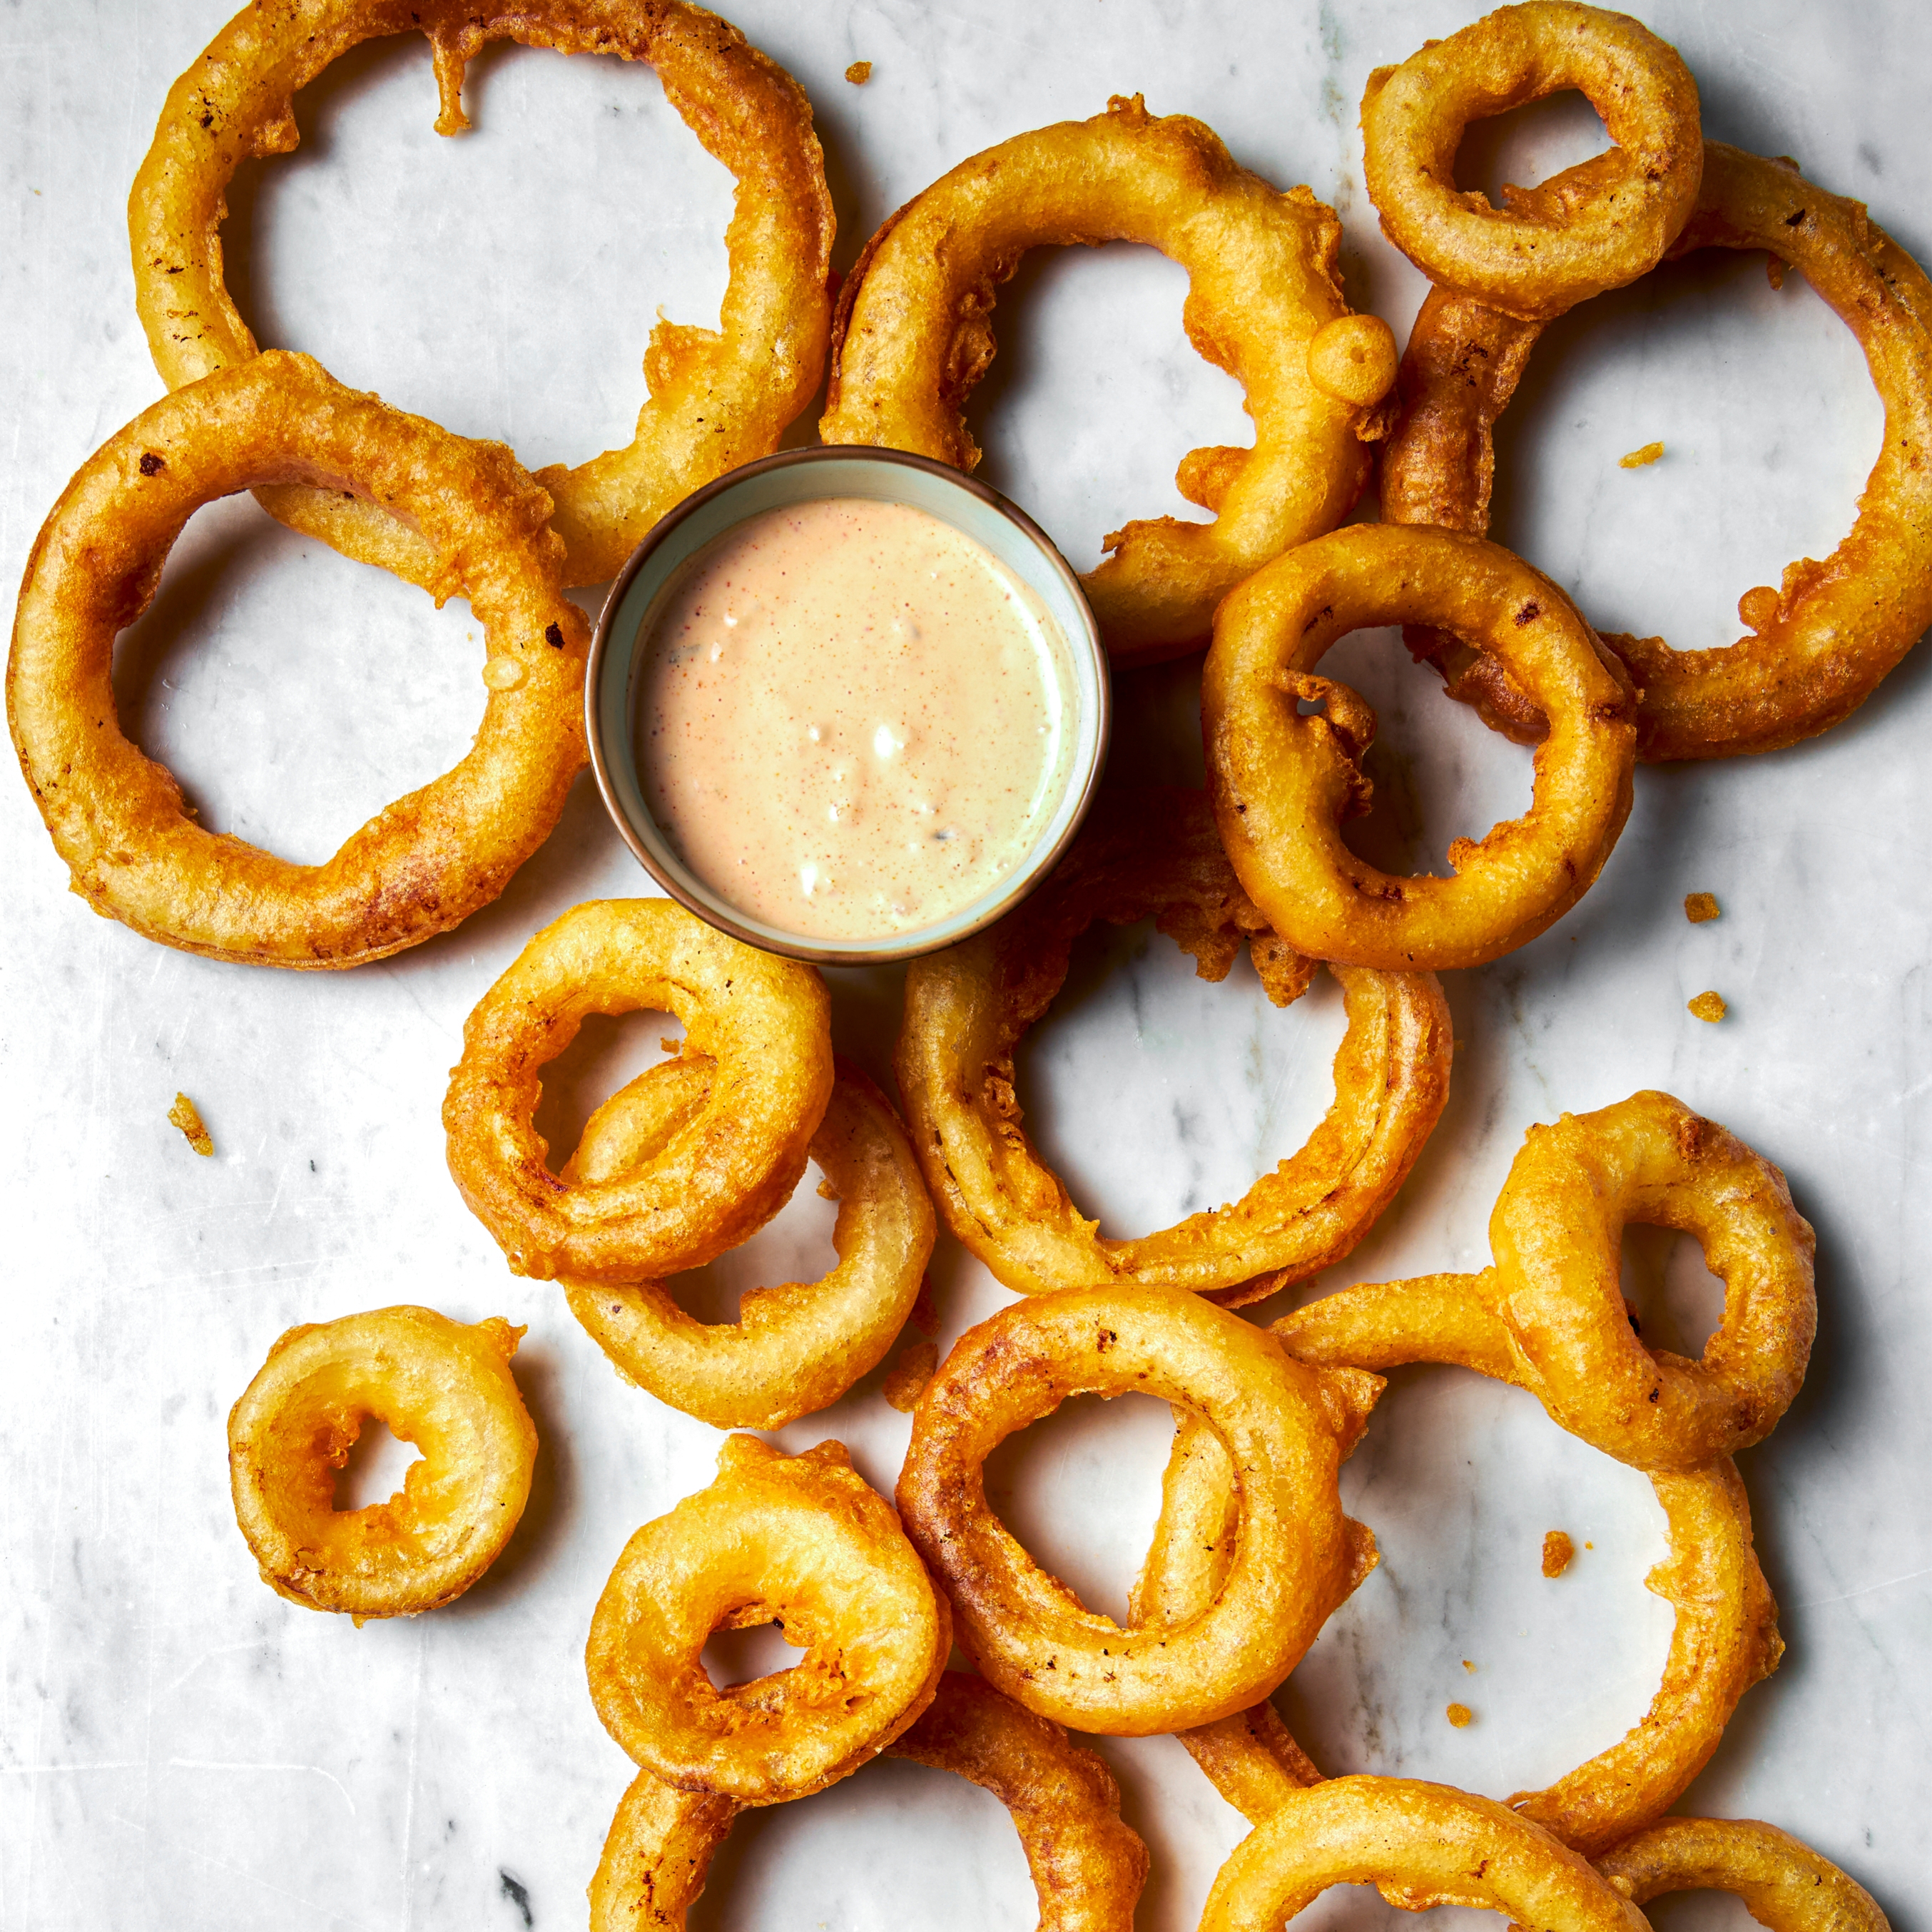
(849, 719)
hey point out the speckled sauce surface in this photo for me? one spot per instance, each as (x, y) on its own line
(178, 1746)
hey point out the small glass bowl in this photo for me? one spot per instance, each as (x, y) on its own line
(806, 475)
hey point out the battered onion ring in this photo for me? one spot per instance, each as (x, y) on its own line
(420, 866)
(765, 1021)
(1785, 1885)
(794, 1349)
(1594, 227)
(967, 1008)
(1087, 1868)
(913, 333)
(1295, 1555)
(798, 1540)
(1422, 1845)
(1823, 643)
(716, 400)
(436, 1383)
(1282, 782)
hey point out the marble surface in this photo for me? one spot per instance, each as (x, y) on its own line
(178, 1746)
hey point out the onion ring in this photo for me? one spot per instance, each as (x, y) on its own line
(420, 866)
(1822, 642)
(1282, 782)
(799, 1540)
(765, 1021)
(1594, 227)
(1294, 1553)
(794, 1349)
(717, 400)
(967, 1008)
(435, 1382)
(1421, 1845)
(913, 333)
(1785, 1885)
(657, 1855)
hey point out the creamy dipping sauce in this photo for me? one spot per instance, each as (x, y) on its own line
(849, 720)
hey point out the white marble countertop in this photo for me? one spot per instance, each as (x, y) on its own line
(178, 1746)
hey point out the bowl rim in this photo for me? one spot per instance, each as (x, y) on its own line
(1039, 863)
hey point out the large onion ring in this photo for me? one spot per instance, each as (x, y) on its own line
(967, 1008)
(765, 1021)
(420, 866)
(1295, 1555)
(1422, 1845)
(798, 1540)
(1282, 782)
(1821, 644)
(913, 333)
(716, 400)
(1785, 1885)
(1594, 227)
(1087, 1868)
(435, 1382)
(794, 1349)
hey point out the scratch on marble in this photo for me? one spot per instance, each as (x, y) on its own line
(1866, 1590)
(409, 1774)
(220, 1764)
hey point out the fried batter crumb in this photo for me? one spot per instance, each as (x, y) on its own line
(1469, 1666)
(1460, 1714)
(1641, 459)
(1558, 1552)
(1707, 1007)
(858, 73)
(184, 1115)
(1700, 908)
(906, 1380)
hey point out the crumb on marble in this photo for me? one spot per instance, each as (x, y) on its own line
(1469, 1666)
(1641, 459)
(1707, 1007)
(1558, 1552)
(185, 1115)
(906, 1381)
(1459, 1715)
(858, 73)
(1700, 908)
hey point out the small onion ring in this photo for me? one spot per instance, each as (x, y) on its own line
(1088, 1868)
(1594, 227)
(1422, 1845)
(435, 1382)
(967, 1008)
(794, 1349)
(764, 1020)
(423, 864)
(1294, 1553)
(1821, 645)
(1282, 782)
(913, 333)
(1785, 1885)
(800, 1541)
(717, 400)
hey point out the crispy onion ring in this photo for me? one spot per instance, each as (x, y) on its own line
(726, 1172)
(1422, 1845)
(436, 1383)
(794, 1349)
(798, 1540)
(1283, 782)
(1594, 227)
(967, 1008)
(1785, 1885)
(717, 400)
(913, 333)
(1087, 1868)
(1549, 1316)
(1294, 1555)
(423, 864)
(1820, 644)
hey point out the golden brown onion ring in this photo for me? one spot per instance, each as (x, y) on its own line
(423, 864)
(1820, 644)
(1282, 781)
(913, 333)
(436, 1383)
(798, 1540)
(1785, 1885)
(967, 1008)
(728, 1169)
(1594, 226)
(1295, 1555)
(794, 1349)
(717, 400)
